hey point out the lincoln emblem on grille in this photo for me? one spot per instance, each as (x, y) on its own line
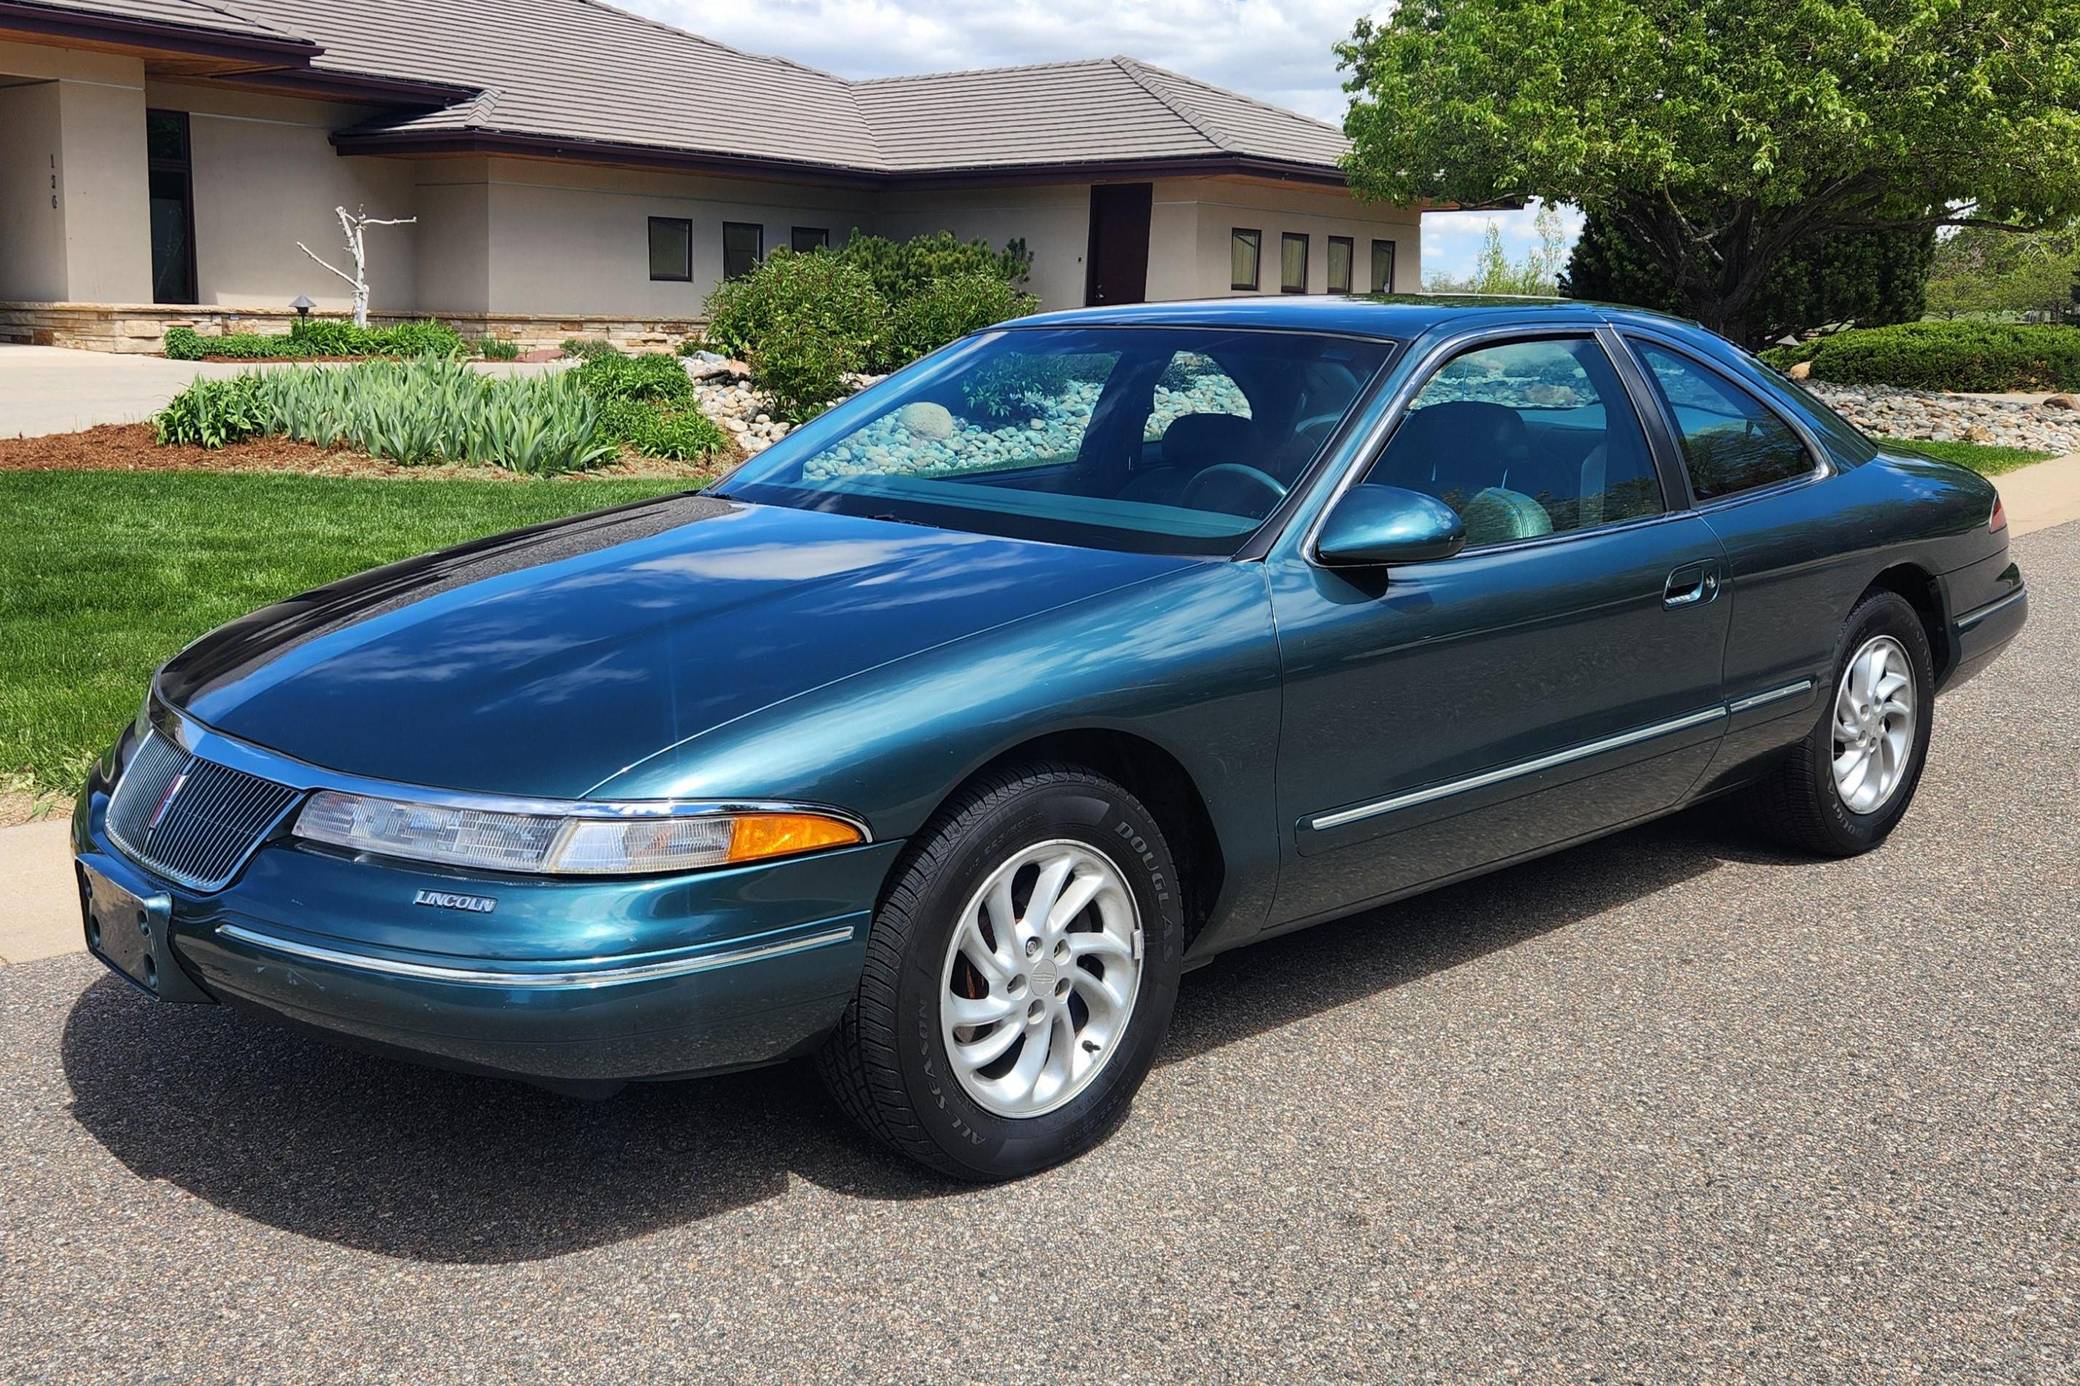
(166, 800)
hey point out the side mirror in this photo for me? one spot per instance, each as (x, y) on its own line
(1374, 526)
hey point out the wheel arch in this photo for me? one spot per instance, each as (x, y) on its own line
(1920, 589)
(1156, 777)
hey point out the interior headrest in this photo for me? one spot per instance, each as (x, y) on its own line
(1203, 439)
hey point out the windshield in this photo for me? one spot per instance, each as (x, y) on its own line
(1148, 439)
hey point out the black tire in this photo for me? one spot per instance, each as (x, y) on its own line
(887, 1064)
(1798, 803)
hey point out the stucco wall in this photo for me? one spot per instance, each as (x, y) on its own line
(1218, 205)
(1054, 220)
(32, 221)
(265, 178)
(103, 187)
(567, 238)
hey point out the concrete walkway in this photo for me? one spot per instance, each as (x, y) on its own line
(59, 390)
(2041, 496)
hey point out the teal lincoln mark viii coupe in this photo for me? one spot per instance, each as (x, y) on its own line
(942, 739)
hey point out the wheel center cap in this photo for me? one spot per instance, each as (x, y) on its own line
(1043, 977)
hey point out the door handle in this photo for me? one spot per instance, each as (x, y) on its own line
(1690, 585)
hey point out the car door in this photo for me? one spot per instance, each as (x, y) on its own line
(1559, 676)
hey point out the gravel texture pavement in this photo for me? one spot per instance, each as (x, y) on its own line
(1671, 1105)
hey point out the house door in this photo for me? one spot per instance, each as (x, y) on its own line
(1116, 267)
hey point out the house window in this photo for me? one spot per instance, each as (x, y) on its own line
(1245, 252)
(743, 246)
(1292, 263)
(1342, 250)
(1382, 267)
(671, 249)
(171, 186)
(804, 239)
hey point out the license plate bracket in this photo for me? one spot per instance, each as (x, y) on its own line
(130, 928)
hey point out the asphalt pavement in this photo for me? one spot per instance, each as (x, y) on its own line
(1671, 1105)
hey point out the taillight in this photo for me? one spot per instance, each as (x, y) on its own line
(1998, 520)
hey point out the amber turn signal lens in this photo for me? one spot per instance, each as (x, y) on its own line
(760, 835)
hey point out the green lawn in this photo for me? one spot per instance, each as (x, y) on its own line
(1981, 458)
(104, 575)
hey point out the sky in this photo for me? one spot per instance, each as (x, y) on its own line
(1280, 51)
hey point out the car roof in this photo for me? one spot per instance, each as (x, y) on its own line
(1391, 316)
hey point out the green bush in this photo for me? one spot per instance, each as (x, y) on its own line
(900, 269)
(803, 322)
(686, 435)
(1980, 356)
(184, 344)
(585, 348)
(429, 409)
(801, 373)
(318, 337)
(211, 413)
(496, 349)
(652, 376)
(948, 309)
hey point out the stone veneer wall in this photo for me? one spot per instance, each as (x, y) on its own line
(138, 328)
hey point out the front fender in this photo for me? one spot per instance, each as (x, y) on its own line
(1187, 661)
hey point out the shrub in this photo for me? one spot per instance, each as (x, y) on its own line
(651, 376)
(496, 349)
(211, 413)
(948, 309)
(184, 344)
(900, 269)
(803, 322)
(585, 348)
(685, 435)
(1980, 356)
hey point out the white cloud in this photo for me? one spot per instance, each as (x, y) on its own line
(1281, 51)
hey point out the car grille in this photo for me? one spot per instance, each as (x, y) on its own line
(191, 820)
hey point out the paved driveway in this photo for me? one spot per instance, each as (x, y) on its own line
(1671, 1105)
(57, 390)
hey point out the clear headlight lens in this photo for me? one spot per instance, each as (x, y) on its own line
(603, 840)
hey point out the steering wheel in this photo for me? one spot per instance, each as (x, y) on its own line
(1239, 472)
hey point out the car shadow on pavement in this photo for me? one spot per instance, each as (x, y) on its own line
(368, 1152)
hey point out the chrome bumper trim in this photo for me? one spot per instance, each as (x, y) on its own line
(584, 976)
(1975, 616)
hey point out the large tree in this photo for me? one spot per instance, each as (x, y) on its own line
(1868, 278)
(1721, 134)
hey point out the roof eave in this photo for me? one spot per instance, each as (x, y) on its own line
(43, 22)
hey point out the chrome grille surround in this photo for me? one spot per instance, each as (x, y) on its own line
(192, 820)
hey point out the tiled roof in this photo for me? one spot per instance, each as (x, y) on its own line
(584, 71)
(191, 14)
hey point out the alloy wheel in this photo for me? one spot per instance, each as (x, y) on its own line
(1040, 978)
(1873, 725)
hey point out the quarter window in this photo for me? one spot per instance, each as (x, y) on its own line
(1732, 441)
(1245, 252)
(1292, 263)
(1341, 252)
(671, 248)
(1525, 439)
(743, 246)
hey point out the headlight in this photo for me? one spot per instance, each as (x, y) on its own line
(590, 840)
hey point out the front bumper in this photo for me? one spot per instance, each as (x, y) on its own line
(569, 983)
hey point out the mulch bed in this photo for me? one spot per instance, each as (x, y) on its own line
(133, 448)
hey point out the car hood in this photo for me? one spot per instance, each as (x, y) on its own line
(543, 662)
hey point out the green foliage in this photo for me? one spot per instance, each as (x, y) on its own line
(804, 322)
(211, 413)
(945, 310)
(651, 376)
(900, 269)
(800, 373)
(1870, 278)
(683, 434)
(1724, 133)
(1980, 270)
(430, 409)
(1962, 355)
(585, 348)
(309, 337)
(1987, 459)
(496, 349)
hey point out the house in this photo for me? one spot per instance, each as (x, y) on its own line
(573, 167)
